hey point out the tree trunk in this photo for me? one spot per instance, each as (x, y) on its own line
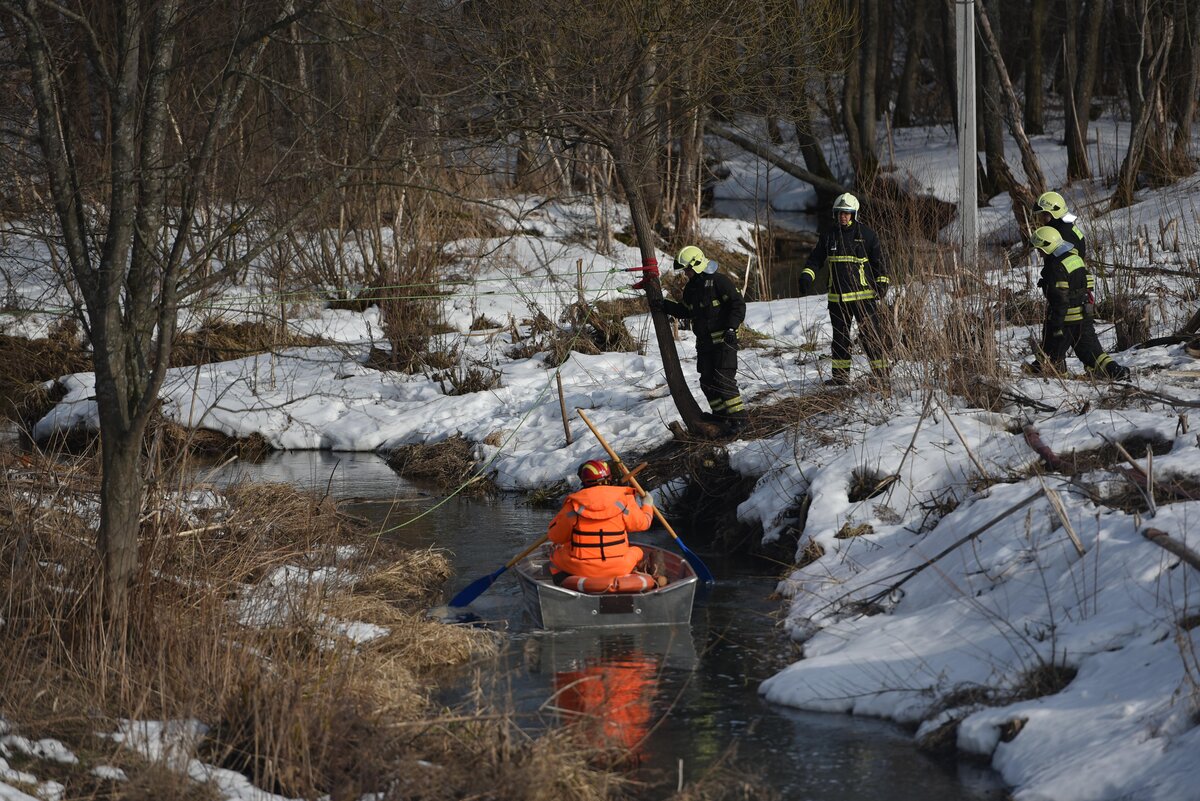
(120, 514)
(1152, 107)
(814, 155)
(850, 104)
(751, 145)
(1129, 22)
(885, 24)
(1035, 117)
(948, 63)
(915, 39)
(687, 194)
(1022, 195)
(685, 403)
(1083, 58)
(868, 67)
(1185, 72)
(997, 172)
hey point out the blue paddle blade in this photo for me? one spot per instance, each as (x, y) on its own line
(702, 572)
(476, 588)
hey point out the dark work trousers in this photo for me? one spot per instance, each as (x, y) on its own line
(842, 315)
(1080, 337)
(717, 365)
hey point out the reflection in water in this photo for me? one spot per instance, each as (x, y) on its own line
(607, 683)
(608, 701)
(687, 695)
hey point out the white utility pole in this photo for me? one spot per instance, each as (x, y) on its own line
(968, 195)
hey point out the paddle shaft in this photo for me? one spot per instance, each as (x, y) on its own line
(633, 482)
(527, 551)
(480, 585)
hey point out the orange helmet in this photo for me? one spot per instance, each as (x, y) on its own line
(594, 472)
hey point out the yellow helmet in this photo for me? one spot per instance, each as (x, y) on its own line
(1046, 239)
(691, 258)
(1052, 203)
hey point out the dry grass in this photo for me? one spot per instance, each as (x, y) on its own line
(219, 341)
(27, 364)
(448, 465)
(292, 704)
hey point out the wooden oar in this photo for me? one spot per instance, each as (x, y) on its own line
(696, 562)
(479, 586)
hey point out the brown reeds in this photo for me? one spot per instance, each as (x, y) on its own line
(270, 617)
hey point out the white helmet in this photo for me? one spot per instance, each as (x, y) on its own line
(846, 202)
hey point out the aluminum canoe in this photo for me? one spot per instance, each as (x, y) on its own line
(553, 607)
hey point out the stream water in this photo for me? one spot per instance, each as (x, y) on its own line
(687, 696)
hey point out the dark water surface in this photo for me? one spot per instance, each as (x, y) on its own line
(686, 697)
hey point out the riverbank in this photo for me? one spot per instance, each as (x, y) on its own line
(280, 646)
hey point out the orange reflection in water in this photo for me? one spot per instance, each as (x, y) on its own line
(610, 701)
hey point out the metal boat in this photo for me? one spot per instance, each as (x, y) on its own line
(554, 607)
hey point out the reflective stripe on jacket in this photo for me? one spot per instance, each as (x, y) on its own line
(1066, 283)
(853, 261)
(712, 303)
(1070, 233)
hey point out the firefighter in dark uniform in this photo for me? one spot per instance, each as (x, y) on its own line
(1065, 282)
(850, 255)
(1050, 209)
(716, 309)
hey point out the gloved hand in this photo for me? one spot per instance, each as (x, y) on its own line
(731, 337)
(806, 285)
(881, 289)
(1055, 333)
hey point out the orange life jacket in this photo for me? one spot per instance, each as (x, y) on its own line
(592, 531)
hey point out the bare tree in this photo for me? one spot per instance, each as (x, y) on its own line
(1022, 194)
(914, 48)
(1035, 122)
(1081, 61)
(663, 65)
(145, 202)
(1157, 31)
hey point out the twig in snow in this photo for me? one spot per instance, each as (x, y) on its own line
(1164, 541)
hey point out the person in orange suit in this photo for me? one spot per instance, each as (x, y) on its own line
(591, 530)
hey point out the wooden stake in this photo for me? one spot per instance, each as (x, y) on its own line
(562, 407)
(579, 281)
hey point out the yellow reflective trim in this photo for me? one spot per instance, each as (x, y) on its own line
(1072, 263)
(847, 297)
(1062, 285)
(809, 272)
(841, 364)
